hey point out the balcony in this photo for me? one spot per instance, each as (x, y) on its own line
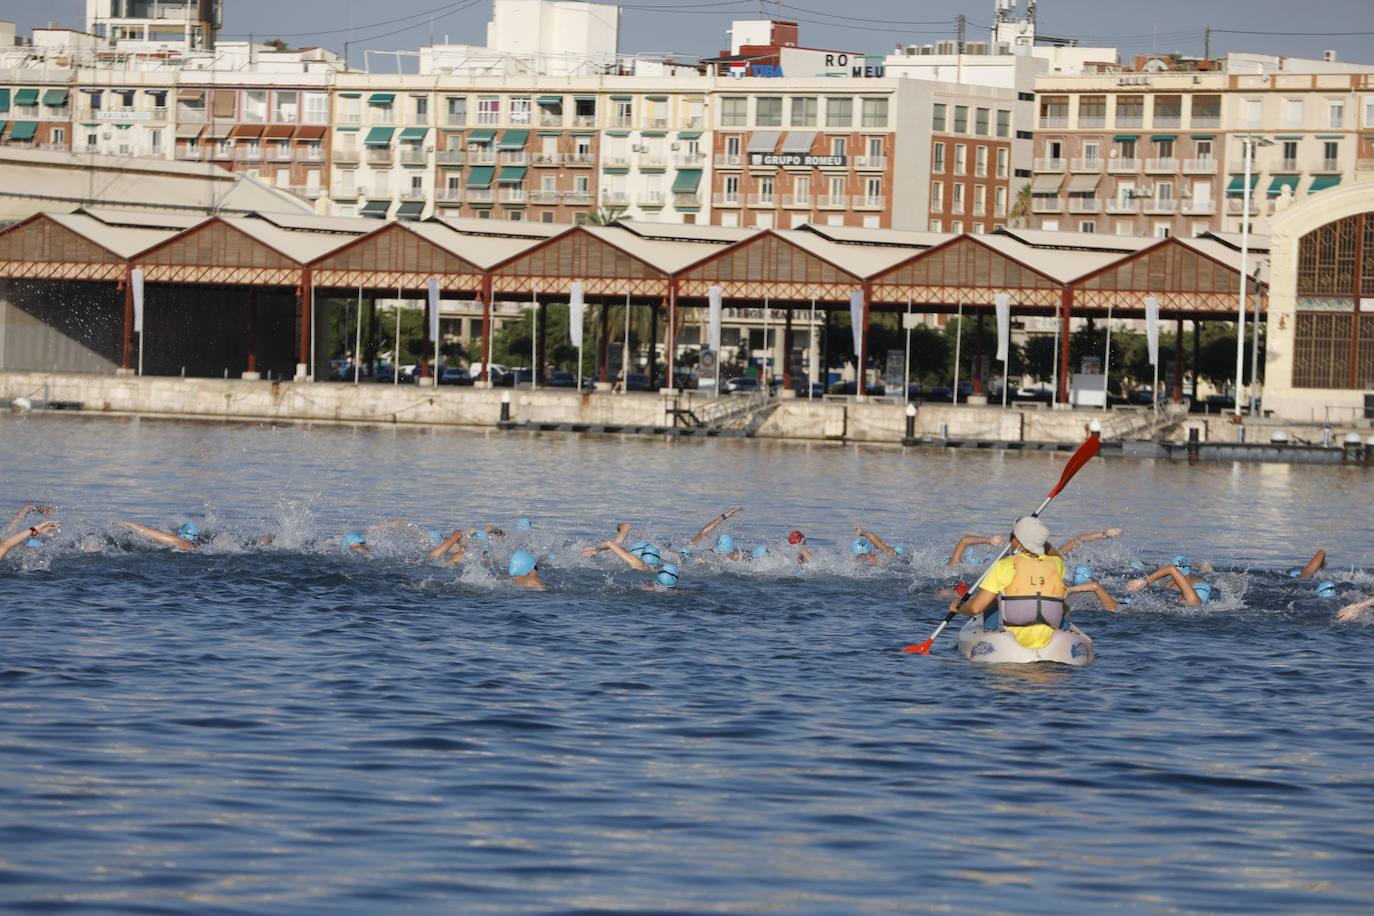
(1200, 166)
(688, 159)
(579, 160)
(1161, 166)
(651, 199)
(278, 152)
(621, 122)
(247, 154)
(832, 202)
(876, 163)
(1206, 122)
(26, 112)
(766, 201)
(1163, 206)
(377, 192)
(481, 155)
(309, 154)
(309, 192)
(1054, 122)
(1045, 203)
(453, 119)
(653, 161)
(349, 118)
(1327, 165)
(1084, 205)
(1235, 206)
(1086, 165)
(55, 147)
(414, 156)
(1123, 207)
(696, 122)
(1049, 164)
(512, 195)
(380, 155)
(725, 200)
(1092, 122)
(690, 201)
(658, 123)
(343, 192)
(1199, 208)
(577, 198)
(615, 162)
(1123, 165)
(797, 201)
(347, 156)
(451, 156)
(479, 196)
(544, 197)
(729, 160)
(157, 114)
(383, 117)
(1130, 122)
(584, 120)
(615, 199)
(513, 157)
(448, 195)
(869, 201)
(549, 119)
(1168, 121)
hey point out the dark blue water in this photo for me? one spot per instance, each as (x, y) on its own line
(290, 730)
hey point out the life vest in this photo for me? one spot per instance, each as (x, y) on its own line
(1035, 594)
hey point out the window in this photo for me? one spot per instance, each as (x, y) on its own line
(1164, 191)
(1204, 150)
(1002, 163)
(582, 184)
(520, 109)
(1168, 110)
(1164, 149)
(1253, 113)
(999, 202)
(766, 189)
(839, 112)
(875, 150)
(1092, 111)
(456, 110)
(804, 109)
(875, 113)
(873, 192)
(957, 227)
(1003, 124)
(1054, 111)
(937, 225)
(801, 189)
(839, 146)
(957, 198)
(980, 121)
(582, 148)
(1331, 151)
(546, 216)
(623, 112)
(488, 110)
(417, 186)
(977, 228)
(1087, 225)
(938, 116)
(1130, 111)
(1206, 111)
(731, 195)
(1369, 111)
(1292, 113)
(937, 196)
(254, 106)
(1335, 112)
(937, 161)
(960, 159)
(980, 200)
(734, 111)
(768, 111)
(961, 119)
(584, 111)
(316, 108)
(836, 188)
(980, 161)
(1126, 149)
(732, 149)
(1290, 154)
(515, 216)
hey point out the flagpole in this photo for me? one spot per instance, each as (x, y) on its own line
(1107, 362)
(396, 350)
(906, 359)
(958, 345)
(358, 336)
(534, 341)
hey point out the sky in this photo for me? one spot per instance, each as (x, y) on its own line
(694, 28)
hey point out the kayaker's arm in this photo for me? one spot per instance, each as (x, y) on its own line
(980, 602)
(1314, 565)
(1107, 601)
(161, 537)
(713, 524)
(973, 540)
(1074, 543)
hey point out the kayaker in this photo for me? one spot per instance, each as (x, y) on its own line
(1063, 550)
(524, 570)
(1028, 587)
(1193, 590)
(28, 537)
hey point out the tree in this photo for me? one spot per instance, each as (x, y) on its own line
(604, 216)
(1021, 208)
(276, 44)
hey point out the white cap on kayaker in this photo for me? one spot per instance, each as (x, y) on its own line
(1031, 533)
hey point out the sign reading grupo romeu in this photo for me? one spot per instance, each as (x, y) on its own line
(799, 160)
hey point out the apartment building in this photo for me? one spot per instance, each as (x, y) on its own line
(1155, 152)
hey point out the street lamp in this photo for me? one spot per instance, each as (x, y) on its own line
(1248, 145)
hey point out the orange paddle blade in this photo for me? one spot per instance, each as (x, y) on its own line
(1085, 453)
(920, 648)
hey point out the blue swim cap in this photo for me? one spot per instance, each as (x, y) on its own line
(350, 539)
(33, 542)
(650, 555)
(860, 546)
(1294, 573)
(188, 532)
(1125, 600)
(523, 524)
(1326, 590)
(760, 552)
(685, 550)
(898, 549)
(667, 577)
(1183, 565)
(1082, 574)
(435, 537)
(725, 544)
(522, 563)
(1204, 591)
(480, 534)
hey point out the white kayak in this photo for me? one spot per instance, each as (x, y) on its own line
(999, 647)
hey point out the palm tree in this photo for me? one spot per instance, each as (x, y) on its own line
(604, 216)
(1021, 208)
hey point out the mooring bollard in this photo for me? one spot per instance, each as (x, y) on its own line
(911, 421)
(1194, 440)
(1369, 452)
(1352, 448)
(505, 407)
(1326, 437)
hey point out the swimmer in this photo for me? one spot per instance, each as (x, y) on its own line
(28, 537)
(642, 555)
(1068, 547)
(524, 570)
(1193, 590)
(713, 524)
(24, 512)
(798, 540)
(1314, 566)
(1079, 540)
(864, 544)
(1081, 586)
(725, 547)
(666, 579)
(1347, 614)
(973, 540)
(186, 538)
(622, 531)
(451, 549)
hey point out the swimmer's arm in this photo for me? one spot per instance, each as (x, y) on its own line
(971, 540)
(446, 545)
(1176, 577)
(630, 559)
(876, 541)
(804, 555)
(980, 602)
(1314, 565)
(712, 525)
(1345, 614)
(1107, 601)
(45, 530)
(621, 532)
(161, 537)
(23, 513)
(1074, 543)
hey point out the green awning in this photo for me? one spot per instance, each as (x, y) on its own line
(511, 174)
(513, 139)
(480, 176)
(617, 133)
(381, 98)
(621, 98)
(23, 130)
(350, 95)
(585, 98)
(1203, 137)
(375, 209)
(1278, 181)
(1237, 186)
(1322, 182)
(549, 100)
(1125, 138)
(689, 135)
(1289, 137)
(3, 124)
(348, 130)
(550, 133)
(687, 181)
(55, 98)
(482, 136)
(657, 98)
(1330, 136)
(653, 133)
(1163, 138)
(414, 134)
(379, 136)
(583, 133)
(410, 209)
(4, 100)
(26, 97)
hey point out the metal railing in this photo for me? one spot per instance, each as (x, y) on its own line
(1161, 165)
(1200, 166)
(725, 200)
(544, 197)
(347, 156)
(1054, 122)
(1084, 205)
(380, 155)
(686, 201)
(451, 156)
(1123, 165)
(1120, 207)
(414, 156)
(868, 201)
(448, 195)
(729, 160)
(1161, 205)
(870, 162)
(1086, 165)
(763, 200)
(1049, 164)
(650, 199)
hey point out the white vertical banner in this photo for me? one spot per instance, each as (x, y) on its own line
(856, 320)
(576, 307)
(434, 309)
(1003, 306)
(713, 336)
(1152, 328)
(136, 283)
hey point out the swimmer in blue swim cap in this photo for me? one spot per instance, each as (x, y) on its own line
(21, 516)
(1314, 566)
(1193, 590)
(759, 553)
(28, 537)
(622, 531)
(1356, 611)
(1326, 589)
(524, 570)
(642, 555)
(648, 553)
(713, 524)
(523, 524)
(1082, 574)
(354, 542)
(451, 549)
(725, 547)
(868, 548)
(186, 538)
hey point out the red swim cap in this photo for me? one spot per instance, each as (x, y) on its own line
(796, 537)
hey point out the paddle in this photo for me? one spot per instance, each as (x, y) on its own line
(1085, 453)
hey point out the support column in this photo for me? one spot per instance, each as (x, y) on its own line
(371, 348)
(1197, 350)
(542, 313)
(602, 342)
(977, 372)
(825, 353)
(423, 368)
(1065, 314)
(127, 351)
(859, 387)
(670, 339)
(1177, 396)
(653, 346)
(485, 374)
(304, 295)
(787, 350)
(252, 372)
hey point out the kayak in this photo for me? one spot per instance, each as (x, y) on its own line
(999, 647)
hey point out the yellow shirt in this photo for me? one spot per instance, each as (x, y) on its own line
(1002, 575)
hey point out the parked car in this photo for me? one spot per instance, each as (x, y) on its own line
(385, 373)
(454, 375)
(876, 389)
(341, 370)
(1042, 395)
(943, 392)
(815, 390)
(741, 385)
(637, 381)
(561, 379)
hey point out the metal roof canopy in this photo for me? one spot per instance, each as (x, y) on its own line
(232, 251)
(965, 270)
(769, 265)
(603, 267)
(1186, 276)
(396, 255)
(60, 246)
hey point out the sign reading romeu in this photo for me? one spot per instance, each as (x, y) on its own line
(799, 160)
